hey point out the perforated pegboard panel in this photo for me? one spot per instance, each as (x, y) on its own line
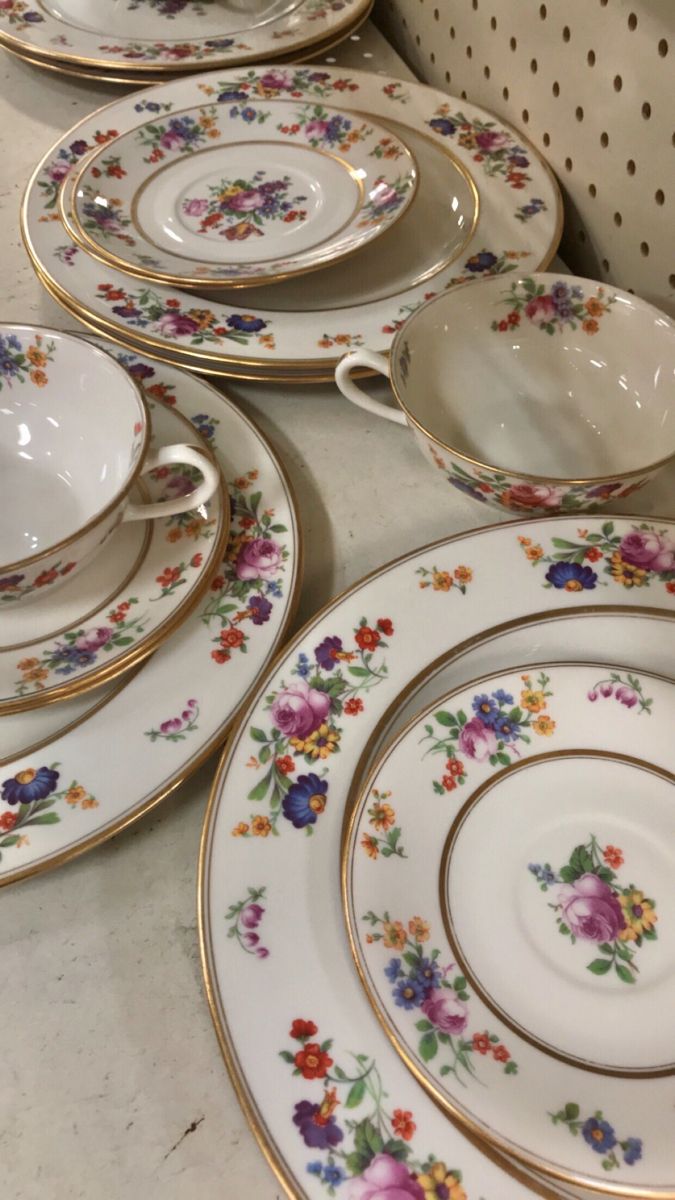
(592, 84)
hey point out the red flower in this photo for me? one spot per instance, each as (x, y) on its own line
(367, 638)
(246, 522)
(503, 326)
(613, 857)
(290, 216)
(500, 1053)
(312, 1061)
(196, 560)
(286, 765)
(593, 553)
(115, 171)
(232, 638)
(218, 583)
(481, 1043)
(46, 577)
(403, 1124)
(455, 766)
(173, 304)
(670, 586)
(116, 294)
(449, 783)
(68, 568)
(513, 318)
(7, 821)
(385, 626)
(353, 706)
(220, 656)
(169, 575)
(303, 1029)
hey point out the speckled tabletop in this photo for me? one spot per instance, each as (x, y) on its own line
(113, 1086)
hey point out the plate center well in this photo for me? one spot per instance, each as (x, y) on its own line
(168, 20)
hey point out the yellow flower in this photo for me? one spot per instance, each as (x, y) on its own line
(438, 1182)
(463, 574)
(418, 929)
(240, 830)
(35, 356)
(370, 845)
(533, 701)
(260, 826)
(394, 935)
(382, 817)
(26, 664)
(543, 726)
(626, 573)
(534, 553)
(75, 794)
(89, 802)
(638, 914)
(441, 581)
(319, 744)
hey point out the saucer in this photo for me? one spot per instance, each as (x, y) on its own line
(240, 194)
(168, 576)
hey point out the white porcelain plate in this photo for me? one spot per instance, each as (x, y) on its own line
(533, 811)
(326, 1093)
(88, 781)
(518, 225)
(214, 195)
(166, 581)
(171, 35)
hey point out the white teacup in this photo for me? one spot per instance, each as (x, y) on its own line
(537, 394)
(74, 433)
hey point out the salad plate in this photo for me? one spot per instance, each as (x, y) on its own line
(166, 582)
(518, 225)
(303, 187)
(325, 1092)
(111, 765)
(160, 36)
(478, 814)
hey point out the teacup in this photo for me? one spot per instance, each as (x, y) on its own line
(538, 394)
(74, 434)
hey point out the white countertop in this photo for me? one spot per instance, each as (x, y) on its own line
(113, 1086)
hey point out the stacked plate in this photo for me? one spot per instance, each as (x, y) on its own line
(148, 41)
(183, 223)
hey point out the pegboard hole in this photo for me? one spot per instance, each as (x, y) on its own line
(493, 22)
(646, 110)
(542, 11)
(418, 39)
(534, 66)
(513, 43)
(568, 164)
(604, 140)
(566, 33)
(663, 47)
(526, 116)
(618, 83)
(447, 76)
(486, 72)
(590, 58)
(582, 236)
(579, 113)
(452, 32)
(618, 220)
(505, 93)
(555, 88)
(469, 52)
(474, 4)
(605, 264)
(671, 280)
(546, 139)
(632, 21)
(464, 95)
(436, 14)
(659, 196)
(630, 166)
(644, 249)
(432, 57)
(592, 190)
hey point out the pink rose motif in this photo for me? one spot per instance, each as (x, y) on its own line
(174, 324)
(171, 726)
(591, 909)
(626, 695)
(477, 740)
(171, 139)
(195, 208)
(299, 709)
(654, 551)
(251, 916)
(446, 1011)
(489, 141)
(258, 559)
(94, 639)
(385, 1179)
(58, 170)
(532, 495)
(316, 127)
(540, 309)
(276, 81)
(246, 201)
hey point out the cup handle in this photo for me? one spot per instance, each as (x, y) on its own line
(376, 362)
(170, 508)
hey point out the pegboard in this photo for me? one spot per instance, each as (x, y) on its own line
(591, 84)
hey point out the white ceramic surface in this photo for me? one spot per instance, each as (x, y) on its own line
(549, 394)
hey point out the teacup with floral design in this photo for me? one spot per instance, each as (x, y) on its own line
(74, 434)
(539, 394)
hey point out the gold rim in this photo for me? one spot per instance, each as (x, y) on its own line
(539, 1044)
(120, 495)
(474, 462)
(220, 735)
(180, 70)
(329, 363)
(136, 654)
(267, 1145)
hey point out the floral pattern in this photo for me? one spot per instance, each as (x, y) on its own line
(592, 906)
(600, 1136)
(482, 262)
(170, 52)
(626, 689)
(445, 581)
(105, 221)
(170, 8)
(180, 135)
(495, 149)
(239, 208)
(323, 128)
(30, 797)
(346, 341)
(67, 157)
(19, 15)
(644, 556)
(19, 364)
(80, 649)
(516, 495)
(176, 729)
(382, 818)
(304, 729)
(384, 198)
(14, 586)
(372, 1148)
(244, 918)
(422, 985)
(149, 310)
(529, 210)
(493, 731)
(557, 306)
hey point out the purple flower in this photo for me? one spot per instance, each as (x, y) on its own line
(326, 653)
(483, 261)
(251, 939)
(385, 1178)
(126, 310)
(251, 916)
(141, 370)
(305, 800)
(8, 582)
(258, 559)
(486, 708)
(626, 695)
(591, 909)
(598, 1134)
(29, 785)
(443, 126)
(448, 1013)
(644, 548)
(408, 993)
(519, 160)
(463, 486)
(79, 147)
(488, 140)
(277, 81)
(592, 695)
(477, 740)
(175, 324)
(246, 323)
(317, 1134)
(94, 638)
(171, 726)
(260, 609)
(230, 95)
(571, 576)
(603, 489)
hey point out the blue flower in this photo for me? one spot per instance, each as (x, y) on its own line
(248, 114)
(30, 785)
(571, 576)
(260, 609)
(32, 17)
(543, 874)
(14, 342)
(327, 651)
(463, 486)
(219, 43)
(245, 323)
(273, 588)
(409, 993)
(305, 800)
(599, 1135)
(141, 370)
(483, 261)
(632, 1150)
(204, 425)
(486, 708)
(315, 1168)
(519, 160)
(428, 974)
(503, 697)
(333, 1175)
(393, 970)
(71, 657)
(321, 1134)
(443, 126)
(507, 730)
(231, 94)
(302, 666)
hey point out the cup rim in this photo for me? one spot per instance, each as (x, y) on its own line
(575, 280)
(133, 473)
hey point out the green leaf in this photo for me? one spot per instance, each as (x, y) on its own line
(396, 1149)
(258, 735)
(11, 840)
(260, 790)
(599, 966)
(356, 1163)
(428, 1046)
(571, 1112)
(360, 672)
(459, 983)
(445, 718)
(608, 529)
(503, 758)
(624, 974)
(355, 1095)
(278, 529)
(50, 818)
(285, 1054)
(568, 874)
(265, 754)
(423, 1026)
(605, 948)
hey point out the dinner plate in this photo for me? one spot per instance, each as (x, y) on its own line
(518, 225)
(153, 731)
(157, 36)
(41, 662)
(269, 863)
(454, 834)
(236, 195)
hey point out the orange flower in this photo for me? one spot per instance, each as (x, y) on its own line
(463, 574)
(27, 663)
(89, 802)
(240, 830)
(403, 1124)
(590, 325)
(441, 581)
(418, 929)
(260, 826)
(594, 307)
(75, 795)
(36, 357)
(534, 553)
(38, 377)
(543, 726)
(394, 935)
(382, 817)
(613, 857)
(370, 846)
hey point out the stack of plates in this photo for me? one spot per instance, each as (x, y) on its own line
(139, 224)
(148, 41)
